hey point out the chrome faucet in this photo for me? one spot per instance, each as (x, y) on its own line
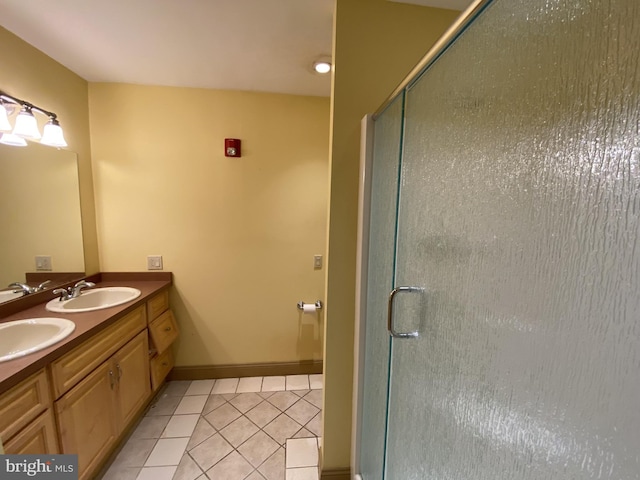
(72, 292)
(26, 289)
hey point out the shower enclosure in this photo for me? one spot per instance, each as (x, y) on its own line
(499, 322)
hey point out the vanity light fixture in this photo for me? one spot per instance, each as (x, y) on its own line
(26, 125)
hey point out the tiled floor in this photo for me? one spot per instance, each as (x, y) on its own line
(258, 428)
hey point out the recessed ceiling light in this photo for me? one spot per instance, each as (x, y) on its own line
(322, 67)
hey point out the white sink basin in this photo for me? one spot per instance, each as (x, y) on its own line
(6, 295)
(94, 299)
(23, 337)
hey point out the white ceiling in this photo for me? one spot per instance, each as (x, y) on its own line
(263, 45)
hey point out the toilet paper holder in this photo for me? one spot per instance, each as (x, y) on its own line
(301, 305)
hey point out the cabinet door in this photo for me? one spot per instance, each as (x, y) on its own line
(131, 365)
(87, 420)
(37, 438)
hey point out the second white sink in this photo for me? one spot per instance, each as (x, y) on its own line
(22, 337)
(94, 299)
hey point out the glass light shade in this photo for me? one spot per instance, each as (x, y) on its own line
(12, 140)
(5, 126)
(26, 125)
(322, 67)
(52, 135)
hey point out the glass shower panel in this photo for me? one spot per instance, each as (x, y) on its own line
(384, 184)
(519, 214)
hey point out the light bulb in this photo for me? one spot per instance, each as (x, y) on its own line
(52, 134)
(12, 140)
(26, 125)
(322, 67)
(5, 126)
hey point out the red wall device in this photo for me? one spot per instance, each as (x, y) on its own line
(232, 147)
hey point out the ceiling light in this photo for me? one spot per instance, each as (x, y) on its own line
(12, 140)
(5, 126)
(52, 134)
(322, 66)
(26, 125)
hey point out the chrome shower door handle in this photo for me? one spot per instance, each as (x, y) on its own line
(390, 327)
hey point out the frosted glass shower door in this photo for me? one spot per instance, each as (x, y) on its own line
(519, 217)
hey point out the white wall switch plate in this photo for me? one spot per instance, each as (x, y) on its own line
(154, 262)
(317, 262)
(43, 263)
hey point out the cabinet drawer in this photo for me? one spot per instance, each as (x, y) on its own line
(69, 369)
(161, 365)
(38, 437)
(157, 305)
(23, 403)
(163, 331)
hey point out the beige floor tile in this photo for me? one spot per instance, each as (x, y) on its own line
(273, 467)
(302, 452)
(245, 401)
(188, 469)
(255, 476)
(121, 473)
(281, 428)
(238, 431)
(167, 452)
(151, 427)
(297, 382)
(213, 402)
(176, 388)
(300, 393)
(262, 414)
(303, 433)
(222, 416)
(266, 395)
(225, 385)
(211, 451)
(200, 387)
(315, 381)
(273, 384)
(165, 405)
(191, 404)
(302, 411)
(314, 397)
(181, 426)
(305, 473)
(283, 400)
(134, 453)
(156, 473)
(202, 432)
(258, 448)
(232, 467)
(249, 384)
(315, 425)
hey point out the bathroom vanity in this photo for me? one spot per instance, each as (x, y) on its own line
(83, 394)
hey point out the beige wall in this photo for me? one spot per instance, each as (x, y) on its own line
(29, 74)
(239, 234)
(376, 43)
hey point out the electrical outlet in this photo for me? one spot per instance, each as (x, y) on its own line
(43, 263)
(317, 262)
(154, 262)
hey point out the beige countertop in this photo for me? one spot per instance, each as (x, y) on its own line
(87, 324)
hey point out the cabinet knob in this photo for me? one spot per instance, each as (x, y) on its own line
(167, 329)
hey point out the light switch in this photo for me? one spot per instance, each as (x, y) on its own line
(43, 263)
(317, 262)
(154, 262)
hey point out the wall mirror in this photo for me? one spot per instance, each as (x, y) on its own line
(39, 215)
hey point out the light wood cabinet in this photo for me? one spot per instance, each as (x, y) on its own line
(163, 331)
(132, 367)
(37, 438)
(26, 420)
(69, 369)
(93, 414)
